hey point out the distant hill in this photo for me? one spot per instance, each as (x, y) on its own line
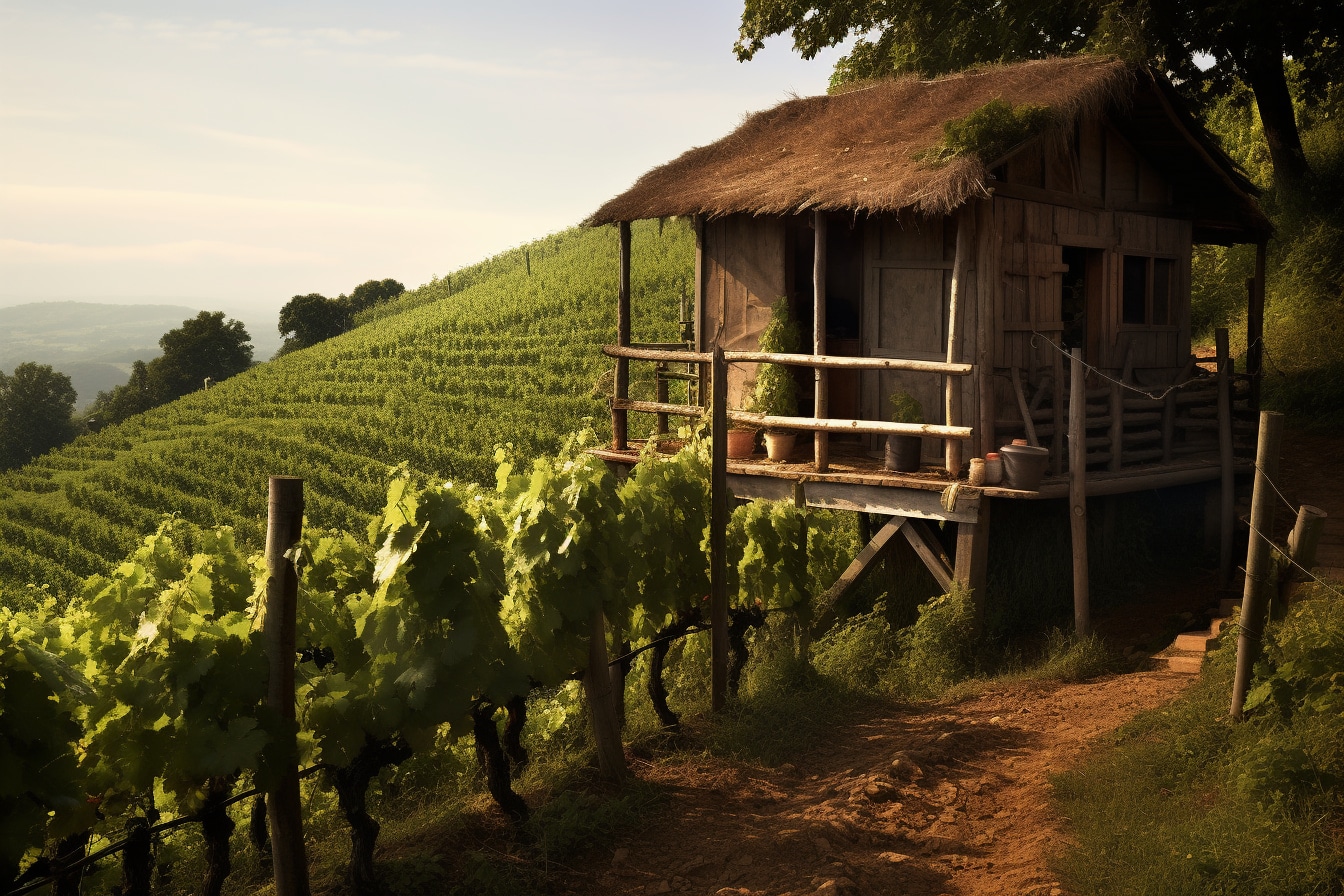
(94, 343)
(507, 351)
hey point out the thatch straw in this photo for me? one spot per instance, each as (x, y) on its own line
(855, 151)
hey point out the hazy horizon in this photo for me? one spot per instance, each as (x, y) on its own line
(236, 155)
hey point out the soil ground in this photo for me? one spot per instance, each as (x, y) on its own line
(945, 799)
(948, 799)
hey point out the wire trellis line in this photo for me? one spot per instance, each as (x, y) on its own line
(1155, 396)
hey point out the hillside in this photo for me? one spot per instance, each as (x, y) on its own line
(505, 352)
(94, 344)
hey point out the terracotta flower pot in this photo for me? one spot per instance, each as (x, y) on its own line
(741, 443)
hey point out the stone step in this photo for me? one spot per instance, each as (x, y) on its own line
(1172, 660)
(1216, 626)
(1195, 641)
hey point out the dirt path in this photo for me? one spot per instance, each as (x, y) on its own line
(941, 800)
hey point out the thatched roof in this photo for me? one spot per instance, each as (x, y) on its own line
(856, 151)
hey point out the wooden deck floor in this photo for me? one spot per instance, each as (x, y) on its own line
(852, 465)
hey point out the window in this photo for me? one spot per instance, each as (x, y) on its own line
(1146, 288)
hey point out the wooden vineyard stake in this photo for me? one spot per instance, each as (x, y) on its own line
(283, 528)
(718, 534)
(1254, 600)
(1082, 609)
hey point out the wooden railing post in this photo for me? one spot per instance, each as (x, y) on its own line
(1082, 608)
(1254, 603)
(1228, 496)
(283, 528)
(955, 310)
(1255, 326)
(660, 393)
(820, 378)
(718, 534)
(620, 433)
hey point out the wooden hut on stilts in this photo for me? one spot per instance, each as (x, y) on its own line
(1011, 246)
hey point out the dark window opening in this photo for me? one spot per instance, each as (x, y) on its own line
(1134, 290)
(1073, 299)
(1163, 269)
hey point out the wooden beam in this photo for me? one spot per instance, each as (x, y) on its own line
(821, 444)
(769, 421)
(1082, 607)
(857, 570)
(909, 502)
(930, 551)
(619, 421)
(972, 562)
(1023, 409)
(1227, 516)
(961, 284)
(1255, 326)
(718, 534)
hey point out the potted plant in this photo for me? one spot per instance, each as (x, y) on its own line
(903, 452)
(776, 392)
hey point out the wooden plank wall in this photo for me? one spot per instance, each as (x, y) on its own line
(743, 260)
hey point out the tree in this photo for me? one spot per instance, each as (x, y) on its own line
(1248, 39)
(373, 292)
(204, 347)
(36, 408)
(308, 320)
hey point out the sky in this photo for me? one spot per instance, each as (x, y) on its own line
(234, 155)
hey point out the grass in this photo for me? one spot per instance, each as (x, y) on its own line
(1184, 801)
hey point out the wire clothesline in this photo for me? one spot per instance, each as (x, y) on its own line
(1155, 396)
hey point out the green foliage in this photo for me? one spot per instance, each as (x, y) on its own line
(767, 550)
(938, 651)
(1187, 802)
(905, 408)
(309, 319)
(205, 347)
(40, 696)
(776, 392)
(437, 379)
(36, 404)
(989, 133)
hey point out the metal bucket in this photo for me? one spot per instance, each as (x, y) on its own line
(1024, 466)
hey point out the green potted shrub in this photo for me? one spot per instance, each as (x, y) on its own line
(776, 393)
(903, 452)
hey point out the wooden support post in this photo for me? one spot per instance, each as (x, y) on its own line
(1254, 600)
(972, 561)
(1057, 440)
(1024, 410)
(930, 551)
(1306, 537)
(1082, 608)
(620, 434)
(961, 279)
(718, 534)
(1255, 327)
(660, 393)
(1228, 507)
(702, 386)
(284, 525)
(853, 576)
(601, 704)
(821, 403)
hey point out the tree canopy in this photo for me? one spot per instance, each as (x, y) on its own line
(37, 405)
(312, 318)
(1246, 39)
(204, 347)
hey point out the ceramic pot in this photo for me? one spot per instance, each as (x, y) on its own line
(779, 444)
(1023, 466)
(903, 453)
